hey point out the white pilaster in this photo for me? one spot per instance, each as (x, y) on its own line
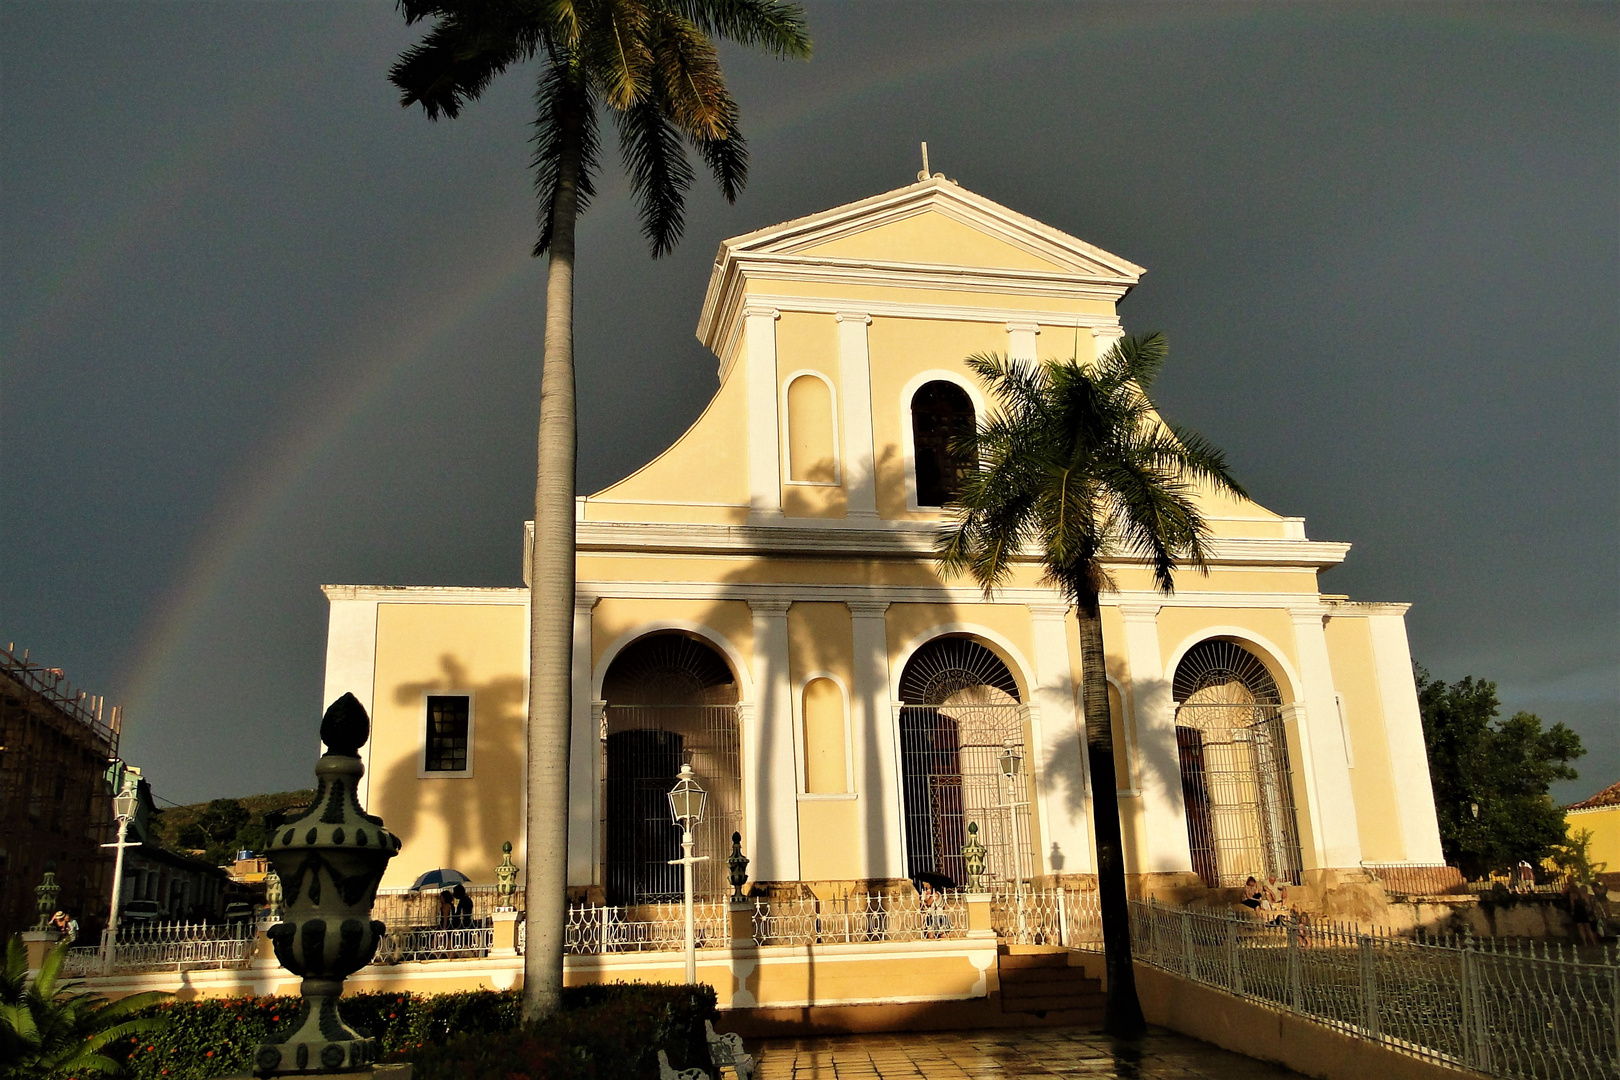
(1164, 813)
(855, 375)
(1403, 728)
(876, 756)
(1103, 338)
(1333, 814)
(583, 747)
(351, 664)
(764, 426)
(770, 776)
(1021, 340)
(1059, 752)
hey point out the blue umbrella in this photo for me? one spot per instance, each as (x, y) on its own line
(442, 878)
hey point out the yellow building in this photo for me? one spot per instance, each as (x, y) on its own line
(1600, 816)
(761, 600)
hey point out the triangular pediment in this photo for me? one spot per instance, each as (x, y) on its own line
(935, 223)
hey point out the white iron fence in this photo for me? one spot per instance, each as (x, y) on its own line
(859, 917)
(1061, 916)
(461, 943)
(162, 946)
(1525, 1012)
(593, 928)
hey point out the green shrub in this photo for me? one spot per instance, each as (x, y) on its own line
(609, 1032)
(603, 1033)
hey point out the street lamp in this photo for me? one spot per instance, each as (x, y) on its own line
(686, 800)
(124, 806)
(1012, 763)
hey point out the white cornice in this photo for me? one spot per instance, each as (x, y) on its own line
(897, 540)
(437, 594)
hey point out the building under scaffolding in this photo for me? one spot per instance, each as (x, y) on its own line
(55, 747)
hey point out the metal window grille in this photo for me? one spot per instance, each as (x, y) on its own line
(1232, 743)
(448, 718)
(941, 413)
(671, 699)
(1525, 1011)
(960, 720)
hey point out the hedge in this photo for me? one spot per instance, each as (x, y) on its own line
(602, 1031)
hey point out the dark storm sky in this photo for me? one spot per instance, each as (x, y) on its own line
(263, 329)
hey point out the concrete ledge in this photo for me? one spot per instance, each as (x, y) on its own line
(1250, 1028)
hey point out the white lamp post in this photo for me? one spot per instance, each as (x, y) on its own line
(1012, 763)
(124, 805)
(686, 807)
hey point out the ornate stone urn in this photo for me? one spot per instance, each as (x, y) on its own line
(329, 862)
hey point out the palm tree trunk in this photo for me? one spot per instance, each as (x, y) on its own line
(1123, 1015)
(551, 606)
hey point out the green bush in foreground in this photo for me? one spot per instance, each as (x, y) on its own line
(603, 1031)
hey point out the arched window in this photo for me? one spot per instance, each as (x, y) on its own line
(963, 760)
(671, 699)
(941, 413)
(822, 711)
(812, 452)
(1235, 778)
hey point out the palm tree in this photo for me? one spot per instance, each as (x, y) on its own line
(1075, 467)
(48, 1029)
(653, 66)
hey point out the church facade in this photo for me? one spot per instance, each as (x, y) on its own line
(762, 601)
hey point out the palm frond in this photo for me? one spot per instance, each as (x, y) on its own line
(613, 46)
(686, 76)
(456, 60)
(562, 98)
(778, 28)
(727, 155)
(659, 172)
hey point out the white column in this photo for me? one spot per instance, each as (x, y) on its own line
(1333, 813)
(1059, 752)
(876, 755)
(1103, 338)
(1164, 813)
(1403, 728)
(770, 796)
(855, 375)
(583, 746)
(1021, 340)
(351, 663)
(764, 428)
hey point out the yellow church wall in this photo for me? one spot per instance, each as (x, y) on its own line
(707, 464)
(1372, 782)
(829, 848)
(1179, 624)
(614, 617)
(1604, 824)
(907, 622)
(433, 648)
(809, 343)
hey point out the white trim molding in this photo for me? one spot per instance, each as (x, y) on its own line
(801, 752)
(739, 666)
(787, 433)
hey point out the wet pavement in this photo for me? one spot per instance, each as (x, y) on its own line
(1000, 1055)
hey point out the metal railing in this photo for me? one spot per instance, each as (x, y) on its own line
(407, 909)
(461, 943)
(1526, 1012)
(162, 946)
(858, 918)
(1415, 879)
(1067, 916)
(594, 928)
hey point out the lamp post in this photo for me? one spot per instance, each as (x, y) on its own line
(1012, 763)
(686, 807)
(124, 806)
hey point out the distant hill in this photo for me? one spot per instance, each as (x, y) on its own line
(221, 827)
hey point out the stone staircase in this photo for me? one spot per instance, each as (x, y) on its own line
(1048, 984)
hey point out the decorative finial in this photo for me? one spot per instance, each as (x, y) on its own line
(924, 174)
(345, 727)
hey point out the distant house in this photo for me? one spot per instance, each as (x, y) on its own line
(1601, 816)
(55, 805)
(160, 883)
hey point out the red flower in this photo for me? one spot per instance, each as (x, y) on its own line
(210, 1053)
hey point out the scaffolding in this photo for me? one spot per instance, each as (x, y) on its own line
(56, 744)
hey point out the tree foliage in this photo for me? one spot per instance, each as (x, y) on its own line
(1502, 767)
(51, 1031)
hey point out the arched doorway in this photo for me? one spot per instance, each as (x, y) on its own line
(671, 698)
(1235, 775)
(963, 760)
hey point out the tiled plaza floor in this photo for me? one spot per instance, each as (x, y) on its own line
(1001, 1055)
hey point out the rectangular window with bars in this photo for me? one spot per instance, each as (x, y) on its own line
(447, 735)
